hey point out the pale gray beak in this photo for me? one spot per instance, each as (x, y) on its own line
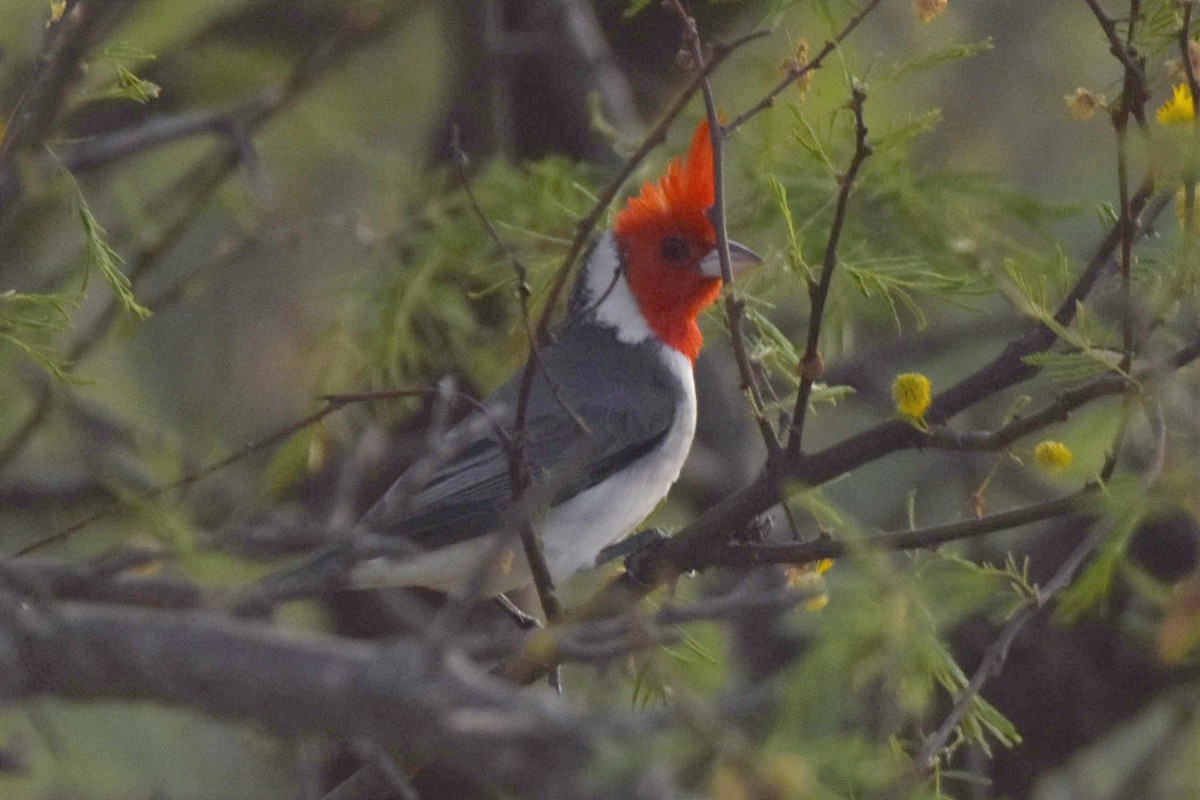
(741, 258)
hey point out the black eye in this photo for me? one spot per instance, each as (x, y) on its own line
(674, 249)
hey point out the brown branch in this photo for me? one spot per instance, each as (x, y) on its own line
(1121, 50)
(1189, 70)
(811, 365)
(514, 446)
(101, 150)
(1057, 411)
(733, 304)
(108, 580)
(1132, 102)
(800, 70)
(67, 42)
(744, 555)
(400, 694)
(20, 437)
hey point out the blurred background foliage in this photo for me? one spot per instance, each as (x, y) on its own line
(305, 231)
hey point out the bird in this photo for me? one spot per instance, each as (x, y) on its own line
(611, 409)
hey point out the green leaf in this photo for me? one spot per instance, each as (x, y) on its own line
(903, 135)
(636, 7)
(30, 323)
(127, 85)
(1126, 505)
(1071, 367)
(99, 255)
(937, 58)
(795, 250)
(898, 281)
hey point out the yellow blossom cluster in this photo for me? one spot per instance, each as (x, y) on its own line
(1178, 109)
(913, 393)
(1052, 456)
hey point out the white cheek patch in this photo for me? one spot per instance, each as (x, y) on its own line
(615, 306)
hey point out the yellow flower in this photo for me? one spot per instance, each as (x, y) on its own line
(1083, 103)
(926, 10)
(1178, 108)
(57, 7)
(913, 393)
(1052, 456)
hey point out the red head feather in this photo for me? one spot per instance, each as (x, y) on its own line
(671, 291)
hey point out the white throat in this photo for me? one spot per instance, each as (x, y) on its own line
(607, 293)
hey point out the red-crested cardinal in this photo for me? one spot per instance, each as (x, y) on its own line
(622, 364)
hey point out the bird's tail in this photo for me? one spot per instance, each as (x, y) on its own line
(324, 571)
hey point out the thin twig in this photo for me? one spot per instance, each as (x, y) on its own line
(1189, 70)
(1118, 48)
(67, 42)
(800, 70)
(916, 539)
(733, 304)
(101, 150)
(811, 365)
(1058, 410)
(515, 445)
(332, 403)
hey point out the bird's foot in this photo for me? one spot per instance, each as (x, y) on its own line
(524, 621)
(630, 545)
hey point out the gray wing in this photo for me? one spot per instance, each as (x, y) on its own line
(623, 393)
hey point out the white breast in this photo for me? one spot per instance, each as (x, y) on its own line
(574, 532)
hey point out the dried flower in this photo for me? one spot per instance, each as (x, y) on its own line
(926, 10)
(913, 393)
(797, 62)
(1083, 103)
(1175, 68)
(1052, 456)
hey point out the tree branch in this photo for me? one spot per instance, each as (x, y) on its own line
(401, 694)
(716, 214)
(800, 70)
(744, 555)
(1057, 411)
(67, 42)
(812, 368)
